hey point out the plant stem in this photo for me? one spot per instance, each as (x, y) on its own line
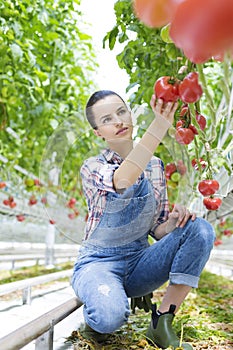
(206, 91)
(52, 72)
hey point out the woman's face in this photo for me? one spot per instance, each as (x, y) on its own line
(113, 119)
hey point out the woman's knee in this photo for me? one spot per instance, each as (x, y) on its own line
(204, 232)
(107, 318)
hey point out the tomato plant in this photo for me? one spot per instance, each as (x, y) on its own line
(167, 89)
(212, 203)
(208, 187)
(184, 136)
(190, 90)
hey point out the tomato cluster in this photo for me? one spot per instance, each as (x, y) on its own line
(208, 188)
(202, 29)
(185, 130)
(171, 89)
(174, 172)
(223, 229)
(10, 202)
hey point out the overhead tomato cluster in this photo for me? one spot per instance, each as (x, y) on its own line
(202, 29)
(171, 89)
(187, 90)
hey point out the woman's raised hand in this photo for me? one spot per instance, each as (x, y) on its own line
(163, 109)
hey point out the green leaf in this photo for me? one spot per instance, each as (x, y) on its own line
(112, 37)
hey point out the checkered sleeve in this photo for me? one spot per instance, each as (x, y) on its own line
(97, 175)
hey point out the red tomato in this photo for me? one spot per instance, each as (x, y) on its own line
(155, 13)
(20, 217)
(167, 89)
(52, 222)
(71, 203)
(32, 200)
(203, 29)
(71, 216)
(212, 203)
(6, 202)
(44, 200)
(190, 90)
(227, 232)
(208, 187)
(36, 182)
(170, 169)
(218, 241)
(184, 136)
(201, 121)
(12, 204)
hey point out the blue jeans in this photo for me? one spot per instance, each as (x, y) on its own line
(104, 278)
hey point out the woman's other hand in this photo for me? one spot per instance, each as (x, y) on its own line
(178, 217)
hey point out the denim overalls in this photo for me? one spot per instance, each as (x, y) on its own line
(117, 261)
(127, 217)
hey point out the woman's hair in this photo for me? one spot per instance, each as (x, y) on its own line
(95, 97)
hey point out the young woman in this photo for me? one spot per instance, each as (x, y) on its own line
(125, 188)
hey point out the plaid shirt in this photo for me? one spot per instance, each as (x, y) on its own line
(97, 174)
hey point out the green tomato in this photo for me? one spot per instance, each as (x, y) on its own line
(175, 176)
(164, 33)
(29, 182)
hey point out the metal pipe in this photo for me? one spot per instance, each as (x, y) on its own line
(32, 330)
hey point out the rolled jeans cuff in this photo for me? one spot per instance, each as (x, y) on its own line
(182, 278)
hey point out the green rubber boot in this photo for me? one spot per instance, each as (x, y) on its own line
(160, 330)
(88, 333)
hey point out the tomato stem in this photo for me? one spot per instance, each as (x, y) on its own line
(194, 121)
(206, 91)
(225, 80)
(209, 164)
